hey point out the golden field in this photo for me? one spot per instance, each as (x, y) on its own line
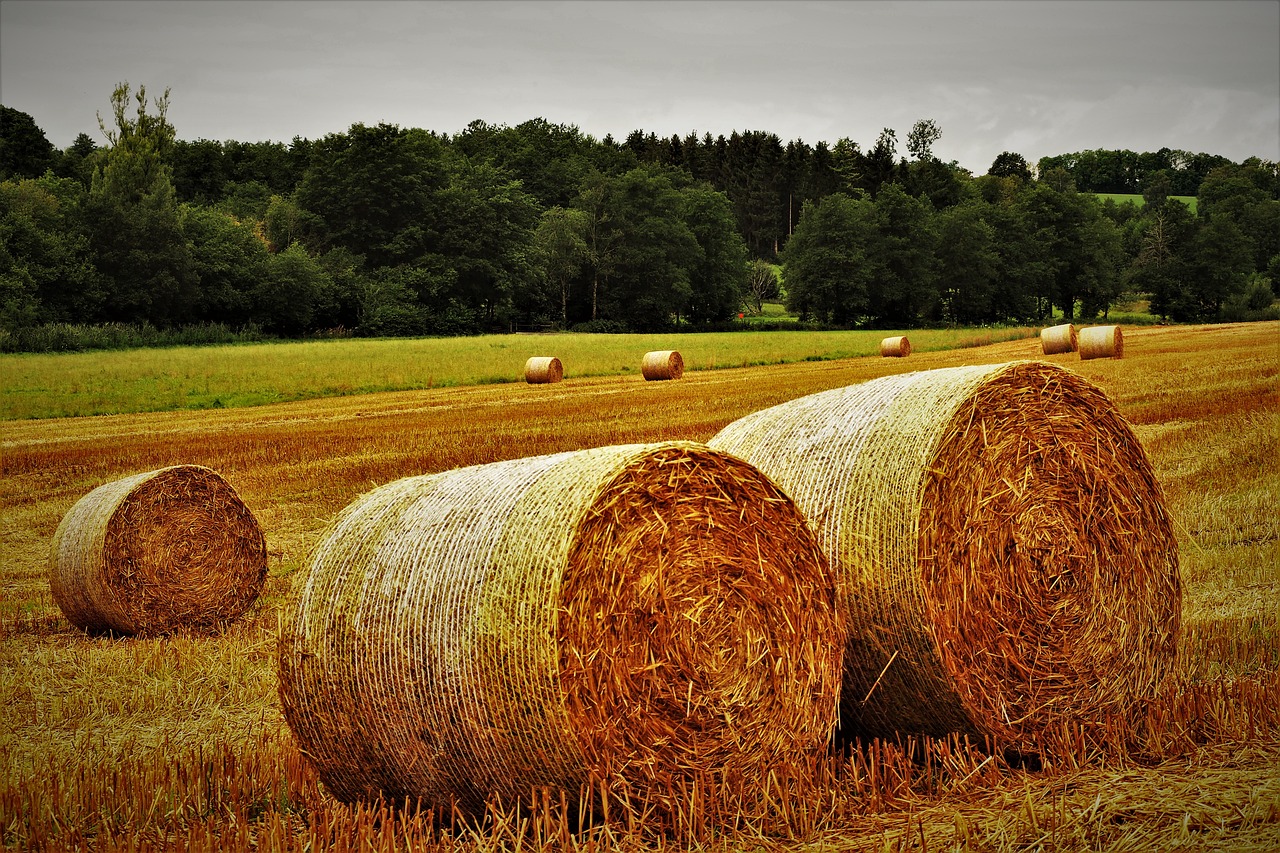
(179, 743)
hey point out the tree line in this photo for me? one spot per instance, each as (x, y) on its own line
(383, 230)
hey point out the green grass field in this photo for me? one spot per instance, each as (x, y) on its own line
(1136, 198)
(214, 377)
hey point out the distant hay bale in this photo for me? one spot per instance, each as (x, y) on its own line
(1101, 342)
(662, 364)
(895, 347)
(641, 614)
(1058, 339)
(541, 370)
(157, 552)
(1010, 561)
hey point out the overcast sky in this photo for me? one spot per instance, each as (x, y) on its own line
(1033, 77)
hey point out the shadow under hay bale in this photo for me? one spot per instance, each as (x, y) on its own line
(166, 550)
(1058, 339)
(895, 347)
(1101, 342)
(1009, 558)
(653, 616)
(662, 364)
(542, 370)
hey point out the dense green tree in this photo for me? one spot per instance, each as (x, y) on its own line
(485, 225)
(1161, 268)
(904, 284)
(718, 277)
(132, 215)
(968, 264)
(375, 189)
(653, 252)
(826, 264)
(1222, 262)
(46, 270)
(285, 300)
(1010, 165)
(25, 152)
(79, 160)
(562, 249)
(228, 259)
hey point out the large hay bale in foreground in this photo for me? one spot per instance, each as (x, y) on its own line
(166, 550)
(646, 615)
(662, 364)
(1058, 339)
(896, 346)
(543, 369)
(1101, 342)
(1010, 560)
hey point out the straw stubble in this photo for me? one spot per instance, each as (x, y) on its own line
(639, 617)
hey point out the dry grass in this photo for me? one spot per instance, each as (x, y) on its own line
(137, 744)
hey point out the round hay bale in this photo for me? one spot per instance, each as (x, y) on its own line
(895, 347)
(1058, 339)
(1010, 561)
(1101, 342)
(662, 364)
(150, 554)
(638, 614)
(543, 369)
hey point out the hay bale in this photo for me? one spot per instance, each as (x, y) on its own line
(662, 364)
(1058, 339)
(641, 614)
(543, 369)
(895, 347)
(1010, 560)
(1101, 342)
(150, 554)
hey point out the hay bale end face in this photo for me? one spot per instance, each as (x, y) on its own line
(543, 370)
(1101, 342)
(167, 550)
(1010, 561)
(895, 347)
(1058, 339)
(662, 364)
(642, 614)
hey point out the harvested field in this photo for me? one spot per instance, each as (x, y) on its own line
(181, 743)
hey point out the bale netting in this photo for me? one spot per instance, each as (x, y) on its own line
(1058, 339)
(638, 619)
(895, 347)
(662, 364)
(1010, 562)
(1101, 342)
(167, 550)
(542, 370)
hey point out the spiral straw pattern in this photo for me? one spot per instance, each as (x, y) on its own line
(635, 617)
(1010, 562)
(166, 550)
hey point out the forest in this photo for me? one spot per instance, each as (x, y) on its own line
(389, 231)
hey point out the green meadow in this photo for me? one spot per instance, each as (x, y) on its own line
(1137, 199)
(229, 376)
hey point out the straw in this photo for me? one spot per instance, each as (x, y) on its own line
(1058, 339)
(542, 370)
(662, 364)
(1010, 559)
(640, 616)
(157, 552)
